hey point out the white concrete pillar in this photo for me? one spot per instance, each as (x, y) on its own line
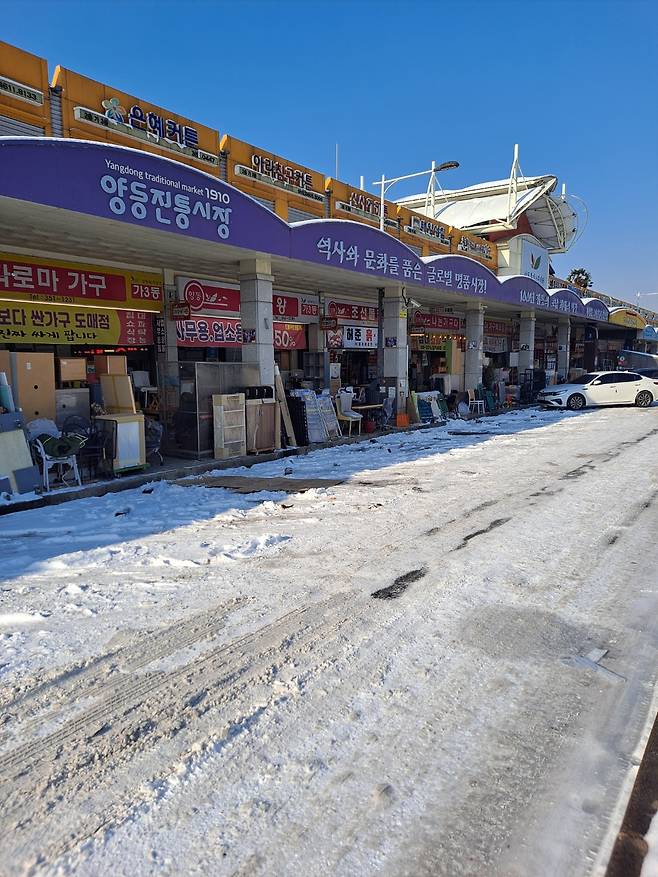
(256, 316)
(474, 345)
(526, 342)
(563, 347)
(396, 351)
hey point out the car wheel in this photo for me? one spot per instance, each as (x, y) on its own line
(576, 402)
(643, 399)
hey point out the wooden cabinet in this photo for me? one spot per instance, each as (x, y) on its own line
(229, 425)
(263, 425)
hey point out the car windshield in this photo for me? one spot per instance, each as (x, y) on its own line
(584, 379)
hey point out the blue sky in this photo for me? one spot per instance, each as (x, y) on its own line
(397, 84)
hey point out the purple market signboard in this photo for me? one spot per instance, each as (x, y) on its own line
(129, 186)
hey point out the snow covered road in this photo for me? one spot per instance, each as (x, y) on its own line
(200, 682)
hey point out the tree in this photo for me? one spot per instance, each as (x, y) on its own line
(580, 277)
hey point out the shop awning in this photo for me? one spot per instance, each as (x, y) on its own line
(90, 200)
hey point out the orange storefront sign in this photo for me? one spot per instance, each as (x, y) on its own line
(263, 174)
(93, 111)
(348, 202)
(416, 230)
(50, 280)
(24, 87)
(466, 244)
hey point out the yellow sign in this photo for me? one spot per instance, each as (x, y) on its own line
(627, 317)
(346, 202)
(49, 280)
(466, 244)
(24, 87)
(265, 175)
(22, 323)
(416, 230)
(93, 111)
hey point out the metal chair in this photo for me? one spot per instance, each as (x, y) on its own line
(90, 453)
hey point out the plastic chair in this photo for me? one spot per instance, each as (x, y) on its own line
(475, 406)
(47, 462)
(344, 410)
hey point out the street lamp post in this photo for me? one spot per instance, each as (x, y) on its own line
(385, 184)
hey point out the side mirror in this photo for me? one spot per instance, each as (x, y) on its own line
(597, 382)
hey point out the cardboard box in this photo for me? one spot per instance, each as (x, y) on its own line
(110, 365)
(72, 369)
(33, 383)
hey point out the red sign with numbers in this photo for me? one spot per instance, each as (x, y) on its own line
(50, 281)
(289, 336)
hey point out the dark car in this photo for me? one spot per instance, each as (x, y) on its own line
(647, 372)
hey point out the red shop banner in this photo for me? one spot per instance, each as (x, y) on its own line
(293, 306)
(206, 295)
(227, 332)
(343, 311)
(53, 281)
(209, 332)
(289, 336)
(136, 328)
(437, 321)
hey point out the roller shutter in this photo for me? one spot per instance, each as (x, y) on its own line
(295, 215)
(14, 128)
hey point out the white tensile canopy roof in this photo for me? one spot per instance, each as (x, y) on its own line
(498, 205)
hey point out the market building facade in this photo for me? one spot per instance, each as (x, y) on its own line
(132, 230)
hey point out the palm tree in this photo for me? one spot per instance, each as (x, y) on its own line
(580, 277)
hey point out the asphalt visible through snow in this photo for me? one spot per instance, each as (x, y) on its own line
(444, 666)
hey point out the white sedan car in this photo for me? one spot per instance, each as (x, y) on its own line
(602, 388)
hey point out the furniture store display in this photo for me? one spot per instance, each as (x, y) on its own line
(53, 450)
(280, 396)
(110, 365)
(263, 422)
(69, 402)
(229, 425)
(92, 452)
(186, 407)
(18, 472)
(153, 431)
(310, 416)
(74, 369)
(118, 396)
(344, 410)
(33, 384)
(126, 450)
